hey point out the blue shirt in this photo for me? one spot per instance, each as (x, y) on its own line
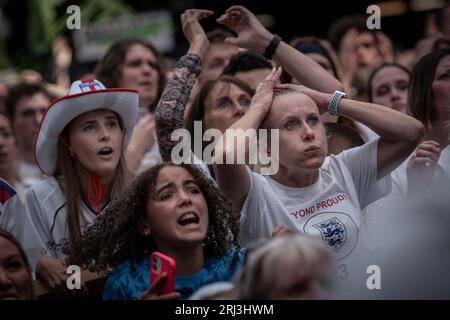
(124, 284)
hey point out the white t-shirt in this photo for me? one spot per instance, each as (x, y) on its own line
(330, 209)
(367, 133)
(41, 222)
(379, 213)
(444, 159)
(29, 174)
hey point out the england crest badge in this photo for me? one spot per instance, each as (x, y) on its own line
(337, 230)
(333, 232)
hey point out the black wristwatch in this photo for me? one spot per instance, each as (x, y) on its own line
(272, 47)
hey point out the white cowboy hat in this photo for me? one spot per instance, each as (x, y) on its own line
(83, 96)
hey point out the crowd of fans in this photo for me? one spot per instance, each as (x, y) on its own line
(89, 177)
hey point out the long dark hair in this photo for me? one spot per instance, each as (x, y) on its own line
(421, 104)
(109, 68)
(69, 181)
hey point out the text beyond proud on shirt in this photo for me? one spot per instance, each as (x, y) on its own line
(319, 205)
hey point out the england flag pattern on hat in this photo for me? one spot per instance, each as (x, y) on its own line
(83, 96)
(88, 85)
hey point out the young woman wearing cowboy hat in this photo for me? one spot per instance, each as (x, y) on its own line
(80, 146)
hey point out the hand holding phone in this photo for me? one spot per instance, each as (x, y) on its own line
(161, 264)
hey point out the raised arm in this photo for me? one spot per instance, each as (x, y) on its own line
(399, 133)
(252, 35)
(169, 114)
(421, 167)
(228, 174)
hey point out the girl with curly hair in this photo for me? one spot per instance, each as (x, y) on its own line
(173, 209)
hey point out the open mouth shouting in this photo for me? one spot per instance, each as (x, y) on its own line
(105, 152)
(189, 220)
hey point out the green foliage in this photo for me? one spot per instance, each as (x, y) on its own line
(43, 24)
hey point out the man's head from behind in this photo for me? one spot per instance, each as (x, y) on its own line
(341, 137)
(248, 66)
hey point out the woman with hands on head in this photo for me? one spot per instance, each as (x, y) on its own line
(252, 35)
(321, 196)
(223, 101)
(219, 103)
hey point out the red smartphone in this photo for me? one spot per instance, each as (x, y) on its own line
(160, 263)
